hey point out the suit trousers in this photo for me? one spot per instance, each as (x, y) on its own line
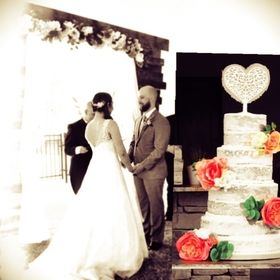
(149, 193)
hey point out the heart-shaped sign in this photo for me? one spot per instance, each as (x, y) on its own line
(245, 85)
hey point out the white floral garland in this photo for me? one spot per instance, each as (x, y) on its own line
(75, 34)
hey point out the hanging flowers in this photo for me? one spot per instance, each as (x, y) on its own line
(74, 34)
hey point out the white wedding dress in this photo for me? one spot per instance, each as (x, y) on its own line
(101, 235)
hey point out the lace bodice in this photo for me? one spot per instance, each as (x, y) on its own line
(97, 133)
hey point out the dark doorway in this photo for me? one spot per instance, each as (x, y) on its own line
(201, 101)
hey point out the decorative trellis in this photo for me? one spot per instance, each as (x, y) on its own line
(133, 42)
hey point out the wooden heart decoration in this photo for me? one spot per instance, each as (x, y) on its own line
(245, 85)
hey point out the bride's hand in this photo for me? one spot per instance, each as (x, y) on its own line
(131, 168)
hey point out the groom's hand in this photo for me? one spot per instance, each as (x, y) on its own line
(80, 150)
(138, 168)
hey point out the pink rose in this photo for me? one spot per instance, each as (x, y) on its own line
(271, 212)
(207, 170)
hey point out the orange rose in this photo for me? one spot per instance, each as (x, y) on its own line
(271, 212)
(193, 248)
(212, 240)
(272, 145)
(207, 170)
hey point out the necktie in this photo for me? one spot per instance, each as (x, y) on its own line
(143, 120)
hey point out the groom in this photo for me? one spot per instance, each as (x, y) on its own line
(147, 152)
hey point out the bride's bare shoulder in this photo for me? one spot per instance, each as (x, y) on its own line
(112, 123)
(113, 126)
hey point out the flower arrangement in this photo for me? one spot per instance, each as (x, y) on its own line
(75, 33)
(148, 122)
(209, 170)
(268, 212)
(267, 141)
(199, 245)
(99, 104)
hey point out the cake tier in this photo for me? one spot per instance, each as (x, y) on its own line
(227, 201)
(251, 172)
(232, 225)
(239, 138)
(251, 241)
(247, 156)
(253, 247)
(243, 122)
(239, 128)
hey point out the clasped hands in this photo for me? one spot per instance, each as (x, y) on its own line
(135, 168)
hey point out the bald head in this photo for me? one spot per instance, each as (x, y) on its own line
(88, 113)
(147, 98)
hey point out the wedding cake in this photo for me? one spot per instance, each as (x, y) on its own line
(248, 174)
(242, 221)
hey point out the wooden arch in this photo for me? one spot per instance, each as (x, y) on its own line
(149, 74)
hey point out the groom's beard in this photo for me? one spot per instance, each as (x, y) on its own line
(145, 107)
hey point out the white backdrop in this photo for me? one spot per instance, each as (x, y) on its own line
(58, 83)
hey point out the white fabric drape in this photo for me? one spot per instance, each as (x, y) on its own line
(58, 82)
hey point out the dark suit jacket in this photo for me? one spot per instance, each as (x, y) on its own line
(79, 163)
(149, 147)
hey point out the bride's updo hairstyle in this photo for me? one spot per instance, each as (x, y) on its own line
(102, 102)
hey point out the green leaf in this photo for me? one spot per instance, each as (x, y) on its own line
(260, 204)
(227, 255)
(251, 214)
(223, 251)
(257, 215)
(230, 247)
(252, 208)
(250, 203)
(254, 214)
(247, 204)
(253, 202)
(268, 128)
(273, 126)
(246, 213)
(214, 255)
(224, 255)
(222, 246)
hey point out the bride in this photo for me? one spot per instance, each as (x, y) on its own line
(101, 235)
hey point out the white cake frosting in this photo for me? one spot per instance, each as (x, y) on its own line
(243, 122)
(243, 155)
(251, 175)
(241, 127)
